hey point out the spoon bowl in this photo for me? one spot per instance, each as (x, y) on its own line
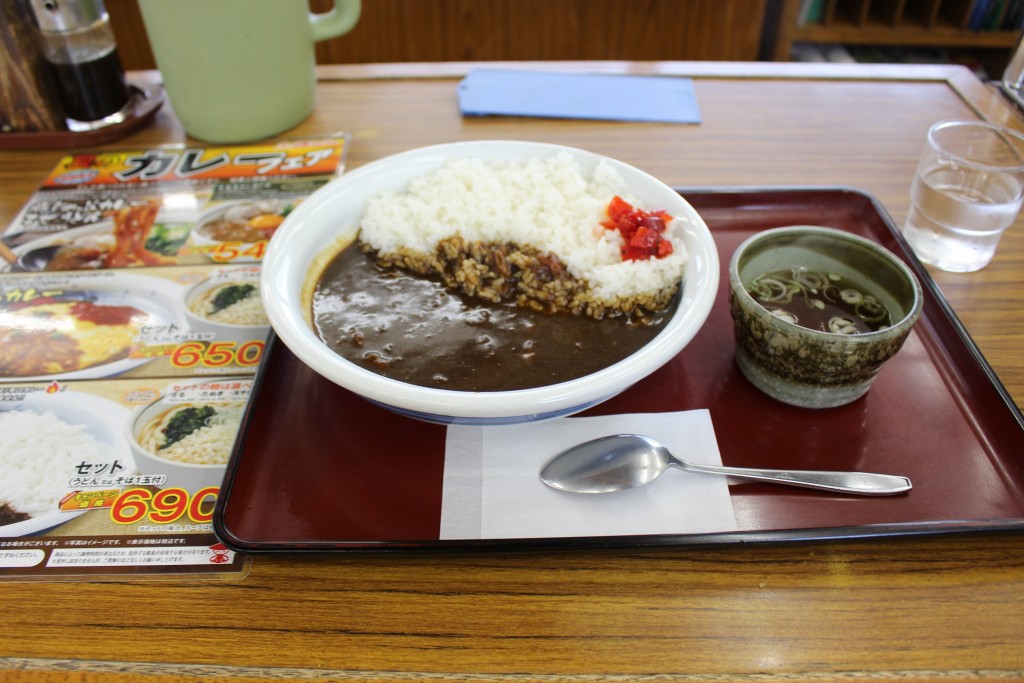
(623, 461)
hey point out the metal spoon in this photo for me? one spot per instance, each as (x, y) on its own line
(622, 461)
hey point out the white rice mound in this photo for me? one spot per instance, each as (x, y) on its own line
(545, 203)
(38, 454)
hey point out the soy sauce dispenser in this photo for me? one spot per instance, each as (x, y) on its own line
(79, 46)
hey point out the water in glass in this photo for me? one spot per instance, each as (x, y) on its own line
(956, 225)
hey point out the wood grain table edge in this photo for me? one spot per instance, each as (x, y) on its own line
(983, 98)
(17, 670)
(725, 70)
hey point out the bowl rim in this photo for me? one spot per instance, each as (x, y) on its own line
(898, 328)
(290, 326)
(154, 295)
(217, 207)
(191, 292)
(134, 423)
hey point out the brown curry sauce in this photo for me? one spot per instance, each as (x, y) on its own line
(410, 328)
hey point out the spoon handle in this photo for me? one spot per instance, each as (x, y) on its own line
(861, 483)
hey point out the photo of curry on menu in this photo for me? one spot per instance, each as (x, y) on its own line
(131, 326)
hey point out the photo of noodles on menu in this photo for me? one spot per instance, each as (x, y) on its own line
(131, 328)
(165, 207)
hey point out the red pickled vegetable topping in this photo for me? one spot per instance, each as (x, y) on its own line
(641, 230)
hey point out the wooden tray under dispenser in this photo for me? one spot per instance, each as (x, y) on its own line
(316, 468)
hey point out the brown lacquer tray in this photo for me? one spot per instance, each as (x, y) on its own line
(318, 469)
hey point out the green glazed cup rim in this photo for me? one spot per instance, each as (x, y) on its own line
(788, 235)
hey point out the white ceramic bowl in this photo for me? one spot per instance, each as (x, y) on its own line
(189, 476)
(101, 418)
(96, 234)
(333, 212)
(240, 251)
(157, 298)
(222, 331)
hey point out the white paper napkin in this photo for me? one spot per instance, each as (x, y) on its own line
(492, 486)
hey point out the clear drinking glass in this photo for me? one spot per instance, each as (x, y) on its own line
(966, 192)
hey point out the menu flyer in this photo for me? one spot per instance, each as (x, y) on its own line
(131, 327)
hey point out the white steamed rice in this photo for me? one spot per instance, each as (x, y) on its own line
(544, 203)
(39, 453)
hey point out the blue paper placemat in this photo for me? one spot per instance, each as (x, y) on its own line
(507, 92)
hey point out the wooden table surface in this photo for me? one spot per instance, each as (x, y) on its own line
(941, 608)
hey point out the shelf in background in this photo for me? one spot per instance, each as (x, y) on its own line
(911, 23)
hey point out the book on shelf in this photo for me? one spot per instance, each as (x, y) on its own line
(996, 15)
(811, 12)
(984, 15)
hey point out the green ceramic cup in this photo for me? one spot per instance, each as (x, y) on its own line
(808, 367)
(240, 70)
